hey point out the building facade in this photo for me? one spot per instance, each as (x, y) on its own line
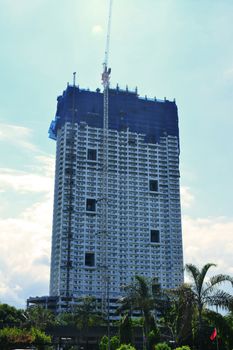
(144, 235)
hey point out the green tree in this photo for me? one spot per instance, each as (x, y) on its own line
(10, 316)
(103, 344)
(125, 330)
(206, 293)
(228, 330)
(39, 318)
(67, 319)
(41, 340)
(179, 316)
(114, 342)
(143, 295)
(86, 316)
(153, 338)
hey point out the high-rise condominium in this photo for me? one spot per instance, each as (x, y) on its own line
(143, 222)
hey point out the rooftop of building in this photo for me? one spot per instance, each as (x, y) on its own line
(127, 110)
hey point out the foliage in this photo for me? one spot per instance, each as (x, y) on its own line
(40, 318)
(143, 295)
(227, 331)
(114, 342)
(126, 347)
(10, 336)
(224, 328)
(162, 346)
(125, 330)
(40, 338)
(10, 316)
(67, 319)
(153, 338)
(207, 293)
(19, 337)
(103, 344)
(86, 316)
(179, 316)
(184, 347)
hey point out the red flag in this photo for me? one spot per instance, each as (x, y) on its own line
(213, 334)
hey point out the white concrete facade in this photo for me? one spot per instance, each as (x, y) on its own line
(144, 215)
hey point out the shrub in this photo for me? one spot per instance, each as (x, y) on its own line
(126, 330)
(40, 337)
(10, 336)
(126, 347)
(103, 345)
(114, 342)
(162, 346)
(184, 347)
(153, 338)
(19, 337)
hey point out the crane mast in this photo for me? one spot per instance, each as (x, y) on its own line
(104, 212)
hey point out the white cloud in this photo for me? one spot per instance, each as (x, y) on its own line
(24, 181)
(209, 240)
(206, 239)
(26, 238)
(25, 251)
(187, 198)
(17, 135)
(38, 179)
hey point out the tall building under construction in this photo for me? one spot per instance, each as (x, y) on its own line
(97, 252)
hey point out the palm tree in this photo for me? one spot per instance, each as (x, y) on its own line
(38, 317)
(178, 316)
(207, 293)
(86, 316)
(142, 295)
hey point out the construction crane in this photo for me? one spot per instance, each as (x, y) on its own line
(70, 176)
(104, 213)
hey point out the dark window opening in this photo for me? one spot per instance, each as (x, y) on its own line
(69, 141)
(151, 139)
(90, 204)
(132, 142)
(153, 185)
(154, 236)
(123, 127)
(91, 154)
(89, 259)
(71, 157)
(69, 171)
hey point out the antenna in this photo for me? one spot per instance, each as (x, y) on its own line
(74, 78)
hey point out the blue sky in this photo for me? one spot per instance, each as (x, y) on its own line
(167, 48)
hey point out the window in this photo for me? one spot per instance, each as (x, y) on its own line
(89, 259)
(153, 185)
(91, 154)
(90, 204)
(154, 236)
